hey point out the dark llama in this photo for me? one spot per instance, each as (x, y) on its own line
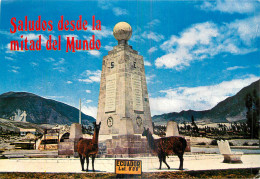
(89, 147)
(166, 146)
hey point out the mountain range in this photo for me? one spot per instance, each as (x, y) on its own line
(230, 110)
(46, 111)
(40, 110)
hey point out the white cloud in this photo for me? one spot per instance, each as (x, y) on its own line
(9, 58)
(57, 64)
(6, 33)
(153, 49)
(147, 63)
(34, 64)
(108, 47)
(14, 69)
(60, 62)
(136, 36)
(119, 11)
(69, 82)
(247, 29)
(88, 91)
(54, 97)
(205, 40)
(89, 101)
(60, 69)
(152, 36)
(235, 68)
(149, 78)
(50, 59)
(8, 49)
(197, 98)
(103, 33)
(89, 110)
(94, 52)
(153, 23)
(107, 5)
(104, 4)
(230, 6)
(90, 76)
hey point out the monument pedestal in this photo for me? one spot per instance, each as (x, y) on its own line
(127, 146)
(66, 148)
(172, 129)
(69, 146)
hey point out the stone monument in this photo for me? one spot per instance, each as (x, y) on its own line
(19, 116)
(123, 106)
(69, 146)
(172, 129)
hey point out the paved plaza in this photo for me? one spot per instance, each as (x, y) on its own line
(150, 164)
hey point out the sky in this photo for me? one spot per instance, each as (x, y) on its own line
(196, 53)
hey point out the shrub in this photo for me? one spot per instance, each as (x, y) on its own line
(201, 143)
(214, 142)
(255, 144)
(231, 144)
(245, 144)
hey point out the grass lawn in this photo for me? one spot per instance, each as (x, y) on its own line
(231, 173)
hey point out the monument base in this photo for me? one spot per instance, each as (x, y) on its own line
(188, 149)
(126, 146)
(68, 148)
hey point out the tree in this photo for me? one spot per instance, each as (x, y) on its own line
(252, 115)
(194, 124)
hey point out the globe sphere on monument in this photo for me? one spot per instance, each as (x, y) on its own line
(122, 31)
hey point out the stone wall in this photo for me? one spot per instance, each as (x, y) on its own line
(127, 146)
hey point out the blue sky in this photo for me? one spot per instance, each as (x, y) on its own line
(197, 53)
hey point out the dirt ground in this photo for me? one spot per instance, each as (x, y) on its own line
(234, 173)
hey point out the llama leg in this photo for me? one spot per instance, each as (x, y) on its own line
(181, 161)
(87, 157)
(164, 160)
(93, 159)
(82, 162)
(160, 160)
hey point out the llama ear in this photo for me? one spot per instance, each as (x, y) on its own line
(144, 129)
(99, 123)
(94, 123)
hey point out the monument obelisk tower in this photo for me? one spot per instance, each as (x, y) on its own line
(123, 106)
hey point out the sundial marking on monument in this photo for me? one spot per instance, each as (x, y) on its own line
(110, 122)
(139, 121)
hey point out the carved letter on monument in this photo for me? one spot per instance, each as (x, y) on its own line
(110, 104)
(137, 93)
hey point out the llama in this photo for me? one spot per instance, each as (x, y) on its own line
(89, 147)
(165, 146)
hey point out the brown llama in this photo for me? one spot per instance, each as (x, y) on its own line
(165, 146)
(89, 147)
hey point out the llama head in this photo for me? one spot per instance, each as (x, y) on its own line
(97, 126)
(145, 132)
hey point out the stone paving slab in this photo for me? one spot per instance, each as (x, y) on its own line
(150, 164)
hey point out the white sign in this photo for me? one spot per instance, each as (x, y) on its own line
(110, 103)
(137, 92)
